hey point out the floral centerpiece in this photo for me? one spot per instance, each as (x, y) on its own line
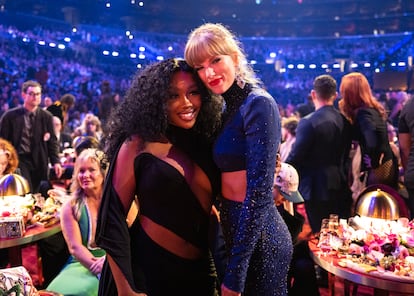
(377, 244)
(32, 209)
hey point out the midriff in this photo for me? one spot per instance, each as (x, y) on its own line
(169, 240)
(234, 185)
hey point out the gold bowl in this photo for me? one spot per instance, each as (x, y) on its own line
(377, 203)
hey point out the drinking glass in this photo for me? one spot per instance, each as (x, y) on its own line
(324, 243)
(325, 237)
(333, 223)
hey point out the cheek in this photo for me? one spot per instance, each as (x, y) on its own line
(80, 176)
(196, 102)
(202, 75)
(169, 109)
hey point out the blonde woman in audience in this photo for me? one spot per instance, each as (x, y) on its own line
(91, 126)
(80, 276)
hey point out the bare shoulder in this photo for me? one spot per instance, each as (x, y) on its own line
(124, 178)
(130, 149)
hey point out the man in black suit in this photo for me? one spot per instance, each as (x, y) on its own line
(30, 130)
(321, 155)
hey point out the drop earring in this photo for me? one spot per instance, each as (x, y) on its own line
(239, 80)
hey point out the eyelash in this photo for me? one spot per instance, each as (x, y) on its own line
(213, 61)
(191, 93)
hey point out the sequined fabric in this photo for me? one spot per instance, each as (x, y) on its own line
(257, 239)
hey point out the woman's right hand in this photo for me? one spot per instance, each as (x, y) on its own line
(97, 265)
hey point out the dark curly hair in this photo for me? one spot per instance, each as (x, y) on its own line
(143, 110)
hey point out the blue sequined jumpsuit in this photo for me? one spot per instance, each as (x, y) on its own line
(257, 239)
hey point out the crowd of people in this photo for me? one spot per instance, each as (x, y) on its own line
(209, 129)
(83, 66)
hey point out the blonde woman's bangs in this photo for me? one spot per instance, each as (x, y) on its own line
(202, 47)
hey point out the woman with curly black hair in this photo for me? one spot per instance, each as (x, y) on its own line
(159, 145)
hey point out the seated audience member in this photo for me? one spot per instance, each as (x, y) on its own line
(302, 276)
(80, 276)
(80, 144)
(65, 142)
(83, 142)
(91, 126)
(9, 162)
(289, 126)
(64, 139)
(305, 108)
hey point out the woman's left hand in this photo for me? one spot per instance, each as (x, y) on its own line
(96, 266)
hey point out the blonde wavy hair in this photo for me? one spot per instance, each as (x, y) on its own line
(209, 40)
(96, 156)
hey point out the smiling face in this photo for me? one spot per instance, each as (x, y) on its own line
(90, 177)
(184, 102)
(218, 73)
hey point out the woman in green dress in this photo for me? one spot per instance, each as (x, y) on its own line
(80, 276)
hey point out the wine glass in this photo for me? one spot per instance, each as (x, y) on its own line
(324, 243)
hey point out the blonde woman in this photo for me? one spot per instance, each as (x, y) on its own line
(80, 276)
(257, 239)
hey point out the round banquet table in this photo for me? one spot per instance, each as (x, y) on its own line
(382, 285)
(31, 235)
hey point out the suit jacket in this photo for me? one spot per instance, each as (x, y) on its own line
(64, 141)
(44, 146)
(321, 153)
(370, 130)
